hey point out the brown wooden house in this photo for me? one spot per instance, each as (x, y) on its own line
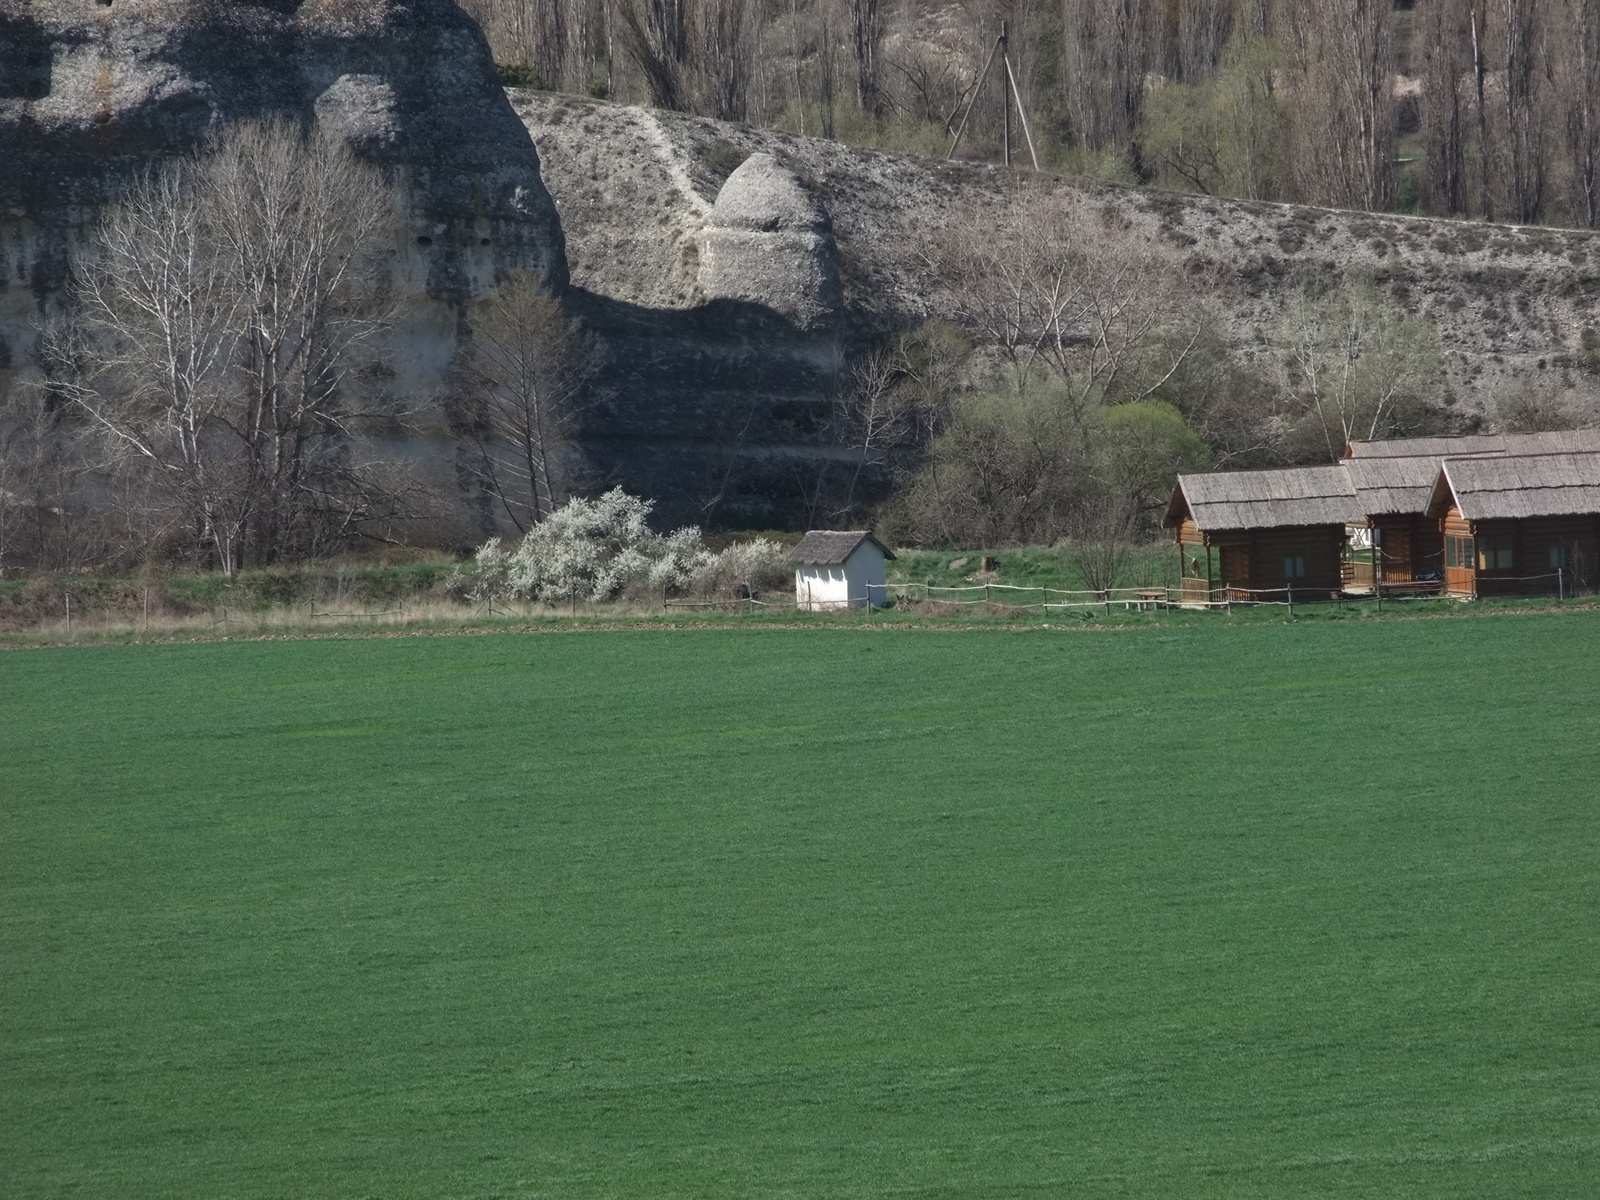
(1262, 531)
(1394, 481)
(1519, 523)
(1393, 494)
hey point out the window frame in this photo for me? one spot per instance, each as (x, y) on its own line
(1496, 551)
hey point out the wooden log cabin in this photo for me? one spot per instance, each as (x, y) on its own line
(1519, 524)
(1242, 533)
(1407, 546)
(1394, 481)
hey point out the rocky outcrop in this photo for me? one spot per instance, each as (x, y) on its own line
(92, 91)
(769, 241)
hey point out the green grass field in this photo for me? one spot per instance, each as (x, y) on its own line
(1256, 910)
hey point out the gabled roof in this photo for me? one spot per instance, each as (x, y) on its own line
(1393, 485)
(1522, 485)
(830, 547)
(1228, 500)
(1561, 441)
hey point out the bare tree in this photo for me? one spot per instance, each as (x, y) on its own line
(874, 413)
(300, 225)
(1346, 124)
(1052, 281)
(220, 314)
(1108, 51)
(866, 32)
(726, 41)
(529, 372)
(1578, 76)
(163, 321)
(655, 35)
(1100, 536)
(1527, 78)
(1359, 367)
(1446, 56)
(694, 55)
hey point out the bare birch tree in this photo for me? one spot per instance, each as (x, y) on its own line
(220, 311)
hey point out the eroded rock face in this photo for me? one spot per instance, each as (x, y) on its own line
(93, 91)
(769, 241)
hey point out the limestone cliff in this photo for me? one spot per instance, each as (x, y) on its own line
(92, 91)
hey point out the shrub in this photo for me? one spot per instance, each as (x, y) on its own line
(742, 569)
(590, 550)
(604, 550)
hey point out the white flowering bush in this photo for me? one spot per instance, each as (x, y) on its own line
(604, 549)
(755, 566)
(590, 550)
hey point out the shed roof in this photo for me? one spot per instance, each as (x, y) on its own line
(1228, 500)
(1521, 485)
(830, 547)
(1561, 441)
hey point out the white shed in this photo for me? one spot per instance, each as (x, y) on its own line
(839, 569)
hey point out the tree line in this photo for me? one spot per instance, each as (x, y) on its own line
(1476, 108)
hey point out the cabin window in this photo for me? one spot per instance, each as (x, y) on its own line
(1494, 551)
(1294, 566)
(1458, 553)
(1560, 556)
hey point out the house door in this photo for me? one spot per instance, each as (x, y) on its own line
(1460, 566)
(1394, 545)
(1236, 566)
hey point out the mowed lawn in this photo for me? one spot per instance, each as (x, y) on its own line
(1262, 910)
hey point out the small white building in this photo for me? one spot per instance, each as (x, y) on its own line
(839, 569)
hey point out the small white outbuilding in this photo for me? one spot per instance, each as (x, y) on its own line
(839, 569)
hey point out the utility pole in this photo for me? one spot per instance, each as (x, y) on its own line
(1001, 50)
(1005, 93)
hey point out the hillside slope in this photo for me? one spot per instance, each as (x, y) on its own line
(634, 188)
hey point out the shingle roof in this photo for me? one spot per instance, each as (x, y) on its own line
(1561, 441)
(1531, 485)
(830, 547)
(1267, 499)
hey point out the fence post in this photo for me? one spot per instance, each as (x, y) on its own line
(1377, 591)
(1561, 583)
(147, 610)
(1290, 592)
(69, 612)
